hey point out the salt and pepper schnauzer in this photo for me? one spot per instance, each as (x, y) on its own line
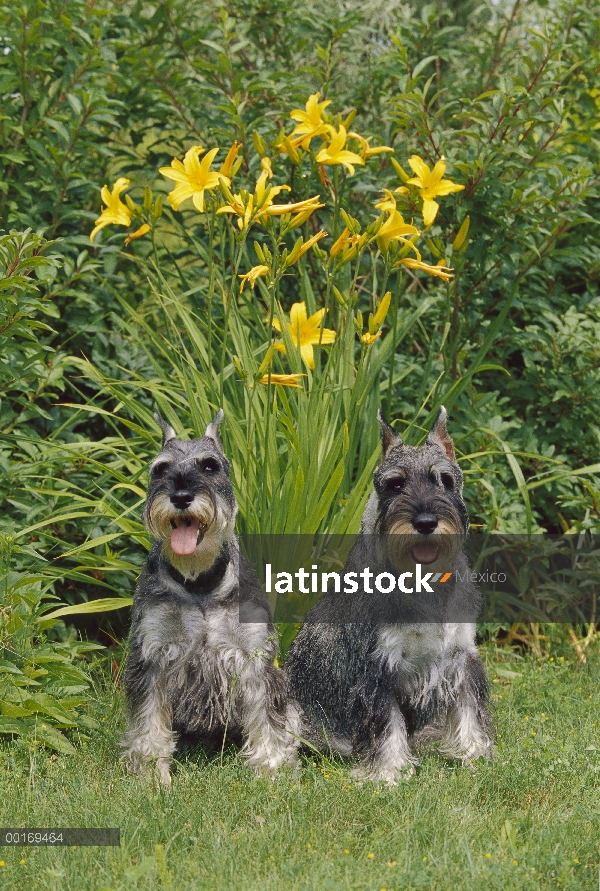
(194, 671)
(379, 676)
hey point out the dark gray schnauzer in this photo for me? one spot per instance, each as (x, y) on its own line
(194, 671)
(380, 674)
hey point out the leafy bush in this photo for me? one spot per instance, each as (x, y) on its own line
(44, 690)
(507, 95)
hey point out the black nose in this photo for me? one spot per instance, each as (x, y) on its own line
(182, 499)
(425, 523)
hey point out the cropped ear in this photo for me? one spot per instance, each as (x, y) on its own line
(167, 431)
(439, 436)
(212, 431)
(389, 437)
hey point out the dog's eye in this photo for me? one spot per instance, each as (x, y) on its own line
(396, 484)
(159, 469)
(448, 481)
(208, 465)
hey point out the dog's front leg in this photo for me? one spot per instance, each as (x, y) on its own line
(379, 730)
(468, 732)
(270, 722)
(388, 757)
(150, 740)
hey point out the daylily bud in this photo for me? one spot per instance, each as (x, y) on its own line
(226, 190)
(401, 173)
(350, 118)
(295, 252)
(131, 204)
(259, 144)
(374, 227)
(352, 225)
(259, 252)
(341, 298)
(158, 208)
(265, 363)
(147, 199)
(291, 150)
(358, 322)
(382, 309)
(459, 241)
(239, 368)
(433, 247)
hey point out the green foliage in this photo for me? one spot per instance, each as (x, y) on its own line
(44, 690)
(25, 366)
(506, 94)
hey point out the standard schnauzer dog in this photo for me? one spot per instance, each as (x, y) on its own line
(194, 671)
(380, 674)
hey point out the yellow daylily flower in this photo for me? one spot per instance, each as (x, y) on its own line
(255, 273)
(258, 206)
(231, 156)
(249, 207)
(439, 270)
(305, 332)
(347, 245)
(431, 183)
(394, 228)
(302, 247)
(336, 153)
(144, 228)
(193, 176)
(382, 309)
(265, 164)
(284, 380)
(377, 320)
(115, 211)
(369, 151)
(389, 202)
(307, 206)
(310, 120)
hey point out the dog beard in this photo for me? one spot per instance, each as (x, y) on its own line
(402, 547)
(191, 539)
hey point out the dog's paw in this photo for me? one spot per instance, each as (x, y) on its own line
(382, 774)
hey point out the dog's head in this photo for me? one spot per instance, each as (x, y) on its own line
(190, 507)
(417, 496)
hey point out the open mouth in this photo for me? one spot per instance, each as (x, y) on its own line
(186, 536)
(425, 552)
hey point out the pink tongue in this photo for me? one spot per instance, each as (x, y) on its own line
(425, 553)
(184, 538)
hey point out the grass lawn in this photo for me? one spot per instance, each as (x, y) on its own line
(529, 819)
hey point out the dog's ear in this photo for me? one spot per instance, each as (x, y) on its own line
(439, 436)
(389, 437)
(212, 430)
(167, 431)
